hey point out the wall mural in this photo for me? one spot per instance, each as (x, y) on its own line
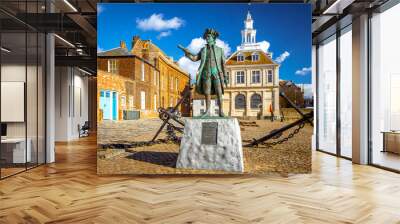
(204, 88)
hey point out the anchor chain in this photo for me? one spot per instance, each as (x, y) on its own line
(171, 134)
(173, 138)
(285, 139)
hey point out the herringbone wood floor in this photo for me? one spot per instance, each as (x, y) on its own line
(69, 191)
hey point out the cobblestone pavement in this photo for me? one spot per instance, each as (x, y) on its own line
(127, 131)
(293, 156)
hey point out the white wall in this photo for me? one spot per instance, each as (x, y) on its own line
(33, 126)
(81, 113)
(12, 73)
(13, 101)
(61, 103)
(71, 103)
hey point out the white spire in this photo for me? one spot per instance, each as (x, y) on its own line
(249, 35)
(248, 15)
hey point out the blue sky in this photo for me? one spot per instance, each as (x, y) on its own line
(284, 28)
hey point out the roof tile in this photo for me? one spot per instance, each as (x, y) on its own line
(263, 58)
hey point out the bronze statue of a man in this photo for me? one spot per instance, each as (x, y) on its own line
(211, 76)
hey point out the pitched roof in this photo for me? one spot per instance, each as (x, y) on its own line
(288, 83)
(143, 49)
(263, 58)
(154, 52)
(139, 45)
(115, 52)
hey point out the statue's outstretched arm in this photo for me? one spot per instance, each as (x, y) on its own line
(188, 54)
(193, 57)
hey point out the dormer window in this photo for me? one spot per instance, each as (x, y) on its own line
(255, 57)
(240, 57)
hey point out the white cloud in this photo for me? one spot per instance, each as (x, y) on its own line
(225, 46)
(99, 49)
(303, 71)
(156, 22)
(189, 66)
(195, 45)
(164, 34)
(264, 45)
(282, 57)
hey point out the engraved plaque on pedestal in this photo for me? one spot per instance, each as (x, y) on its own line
(209, 132)
(211, 145)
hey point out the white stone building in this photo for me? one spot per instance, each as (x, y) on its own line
(253, 88)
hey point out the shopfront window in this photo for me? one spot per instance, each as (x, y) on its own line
(346, 92)
(327, 95)
(385, 89)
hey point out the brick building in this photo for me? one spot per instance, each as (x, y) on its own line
(134, 83)
(293, 92)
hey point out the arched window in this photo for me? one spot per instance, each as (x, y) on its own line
(240, 101)
(255, 101)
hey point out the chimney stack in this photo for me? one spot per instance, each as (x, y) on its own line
(122, 44)
(134, 40)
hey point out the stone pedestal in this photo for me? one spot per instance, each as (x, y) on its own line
(211, 144)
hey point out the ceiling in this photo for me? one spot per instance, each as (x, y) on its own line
(75, 21)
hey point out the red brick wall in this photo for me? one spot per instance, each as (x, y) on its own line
(170, 74)
(126, 67)
(129, 71)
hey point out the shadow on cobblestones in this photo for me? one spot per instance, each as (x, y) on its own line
(293, 156)
(167, 159)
